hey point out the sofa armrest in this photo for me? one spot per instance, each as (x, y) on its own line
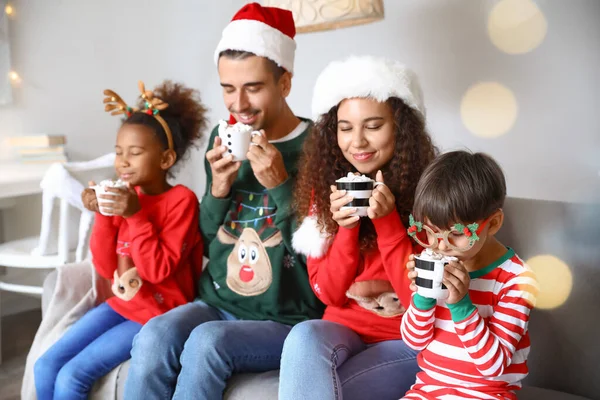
(69, 292)
(48, 290)
(66, 285)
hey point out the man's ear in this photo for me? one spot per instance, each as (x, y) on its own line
(285, 84)
(496, 222)
(168, 159)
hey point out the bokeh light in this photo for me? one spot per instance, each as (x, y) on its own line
(517, 26)
(554, 278)
(488, 109)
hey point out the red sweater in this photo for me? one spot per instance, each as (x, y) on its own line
(332, 275)
(164, 243)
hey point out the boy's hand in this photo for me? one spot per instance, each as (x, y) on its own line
(412, 274)
(457, 280)
(88, 197)
(126, 201)
(382, 201)
(338, 199)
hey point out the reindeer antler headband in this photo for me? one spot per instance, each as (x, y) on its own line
(152, 105)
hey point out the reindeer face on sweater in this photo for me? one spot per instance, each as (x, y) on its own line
(127, 285)
(376, 296)
(249, 270)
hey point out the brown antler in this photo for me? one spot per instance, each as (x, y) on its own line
(114, 103)
(152, 102)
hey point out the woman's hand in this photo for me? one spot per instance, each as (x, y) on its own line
(382, 201)
(338, 199)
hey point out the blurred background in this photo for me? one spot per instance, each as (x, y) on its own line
(518, 79)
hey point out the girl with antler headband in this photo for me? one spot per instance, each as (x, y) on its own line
(146, 240)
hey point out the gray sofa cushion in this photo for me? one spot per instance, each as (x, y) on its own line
(240, 387)
(533, 393)
(264, 387)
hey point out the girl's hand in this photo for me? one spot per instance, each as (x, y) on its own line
(412, 274)
(126, 201)
(88, 197)
(338, 199)
(382, 201)
(457, 280)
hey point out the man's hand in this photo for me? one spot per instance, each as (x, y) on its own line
(224, 169)
(266, 162)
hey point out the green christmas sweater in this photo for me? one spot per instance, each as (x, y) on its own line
(253, 272)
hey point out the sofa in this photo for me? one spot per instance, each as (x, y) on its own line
(564, 358)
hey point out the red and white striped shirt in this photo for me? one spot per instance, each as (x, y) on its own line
(476, 348)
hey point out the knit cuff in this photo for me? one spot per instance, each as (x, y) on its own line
(214, 207)
(462, 309)
(282, 194)
(423, 303)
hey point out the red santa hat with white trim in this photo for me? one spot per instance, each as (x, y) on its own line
(265, 31)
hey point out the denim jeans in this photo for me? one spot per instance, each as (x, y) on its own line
(91, 348)
(191, 351)
(325, 360)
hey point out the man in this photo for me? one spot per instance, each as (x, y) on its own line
(254, 287)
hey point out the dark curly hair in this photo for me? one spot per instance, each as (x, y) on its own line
(322, 162)
(186, 117)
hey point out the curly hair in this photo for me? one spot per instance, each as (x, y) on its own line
(322, 162)
(186, 117)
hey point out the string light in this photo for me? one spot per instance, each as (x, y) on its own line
(15, 79)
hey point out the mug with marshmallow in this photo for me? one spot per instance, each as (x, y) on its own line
(101, 189)
(430, 268)
(237, 137)
(360, 187)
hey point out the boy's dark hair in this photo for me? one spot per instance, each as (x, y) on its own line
(186, 117)
(459, 186)
(276, 70)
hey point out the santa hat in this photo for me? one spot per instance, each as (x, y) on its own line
(265, 31)
(367, 77)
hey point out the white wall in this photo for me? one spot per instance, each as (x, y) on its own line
(68, 51)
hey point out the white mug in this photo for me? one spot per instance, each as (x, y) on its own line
(430, 273)
(237, 138)
(361, 192)
(103, 203)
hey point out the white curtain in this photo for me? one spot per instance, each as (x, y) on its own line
(5, 88)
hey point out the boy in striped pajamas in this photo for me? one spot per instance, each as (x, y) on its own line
(475, 343)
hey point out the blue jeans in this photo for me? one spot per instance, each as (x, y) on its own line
(191, 351)
(325, 360)
(91, 348)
